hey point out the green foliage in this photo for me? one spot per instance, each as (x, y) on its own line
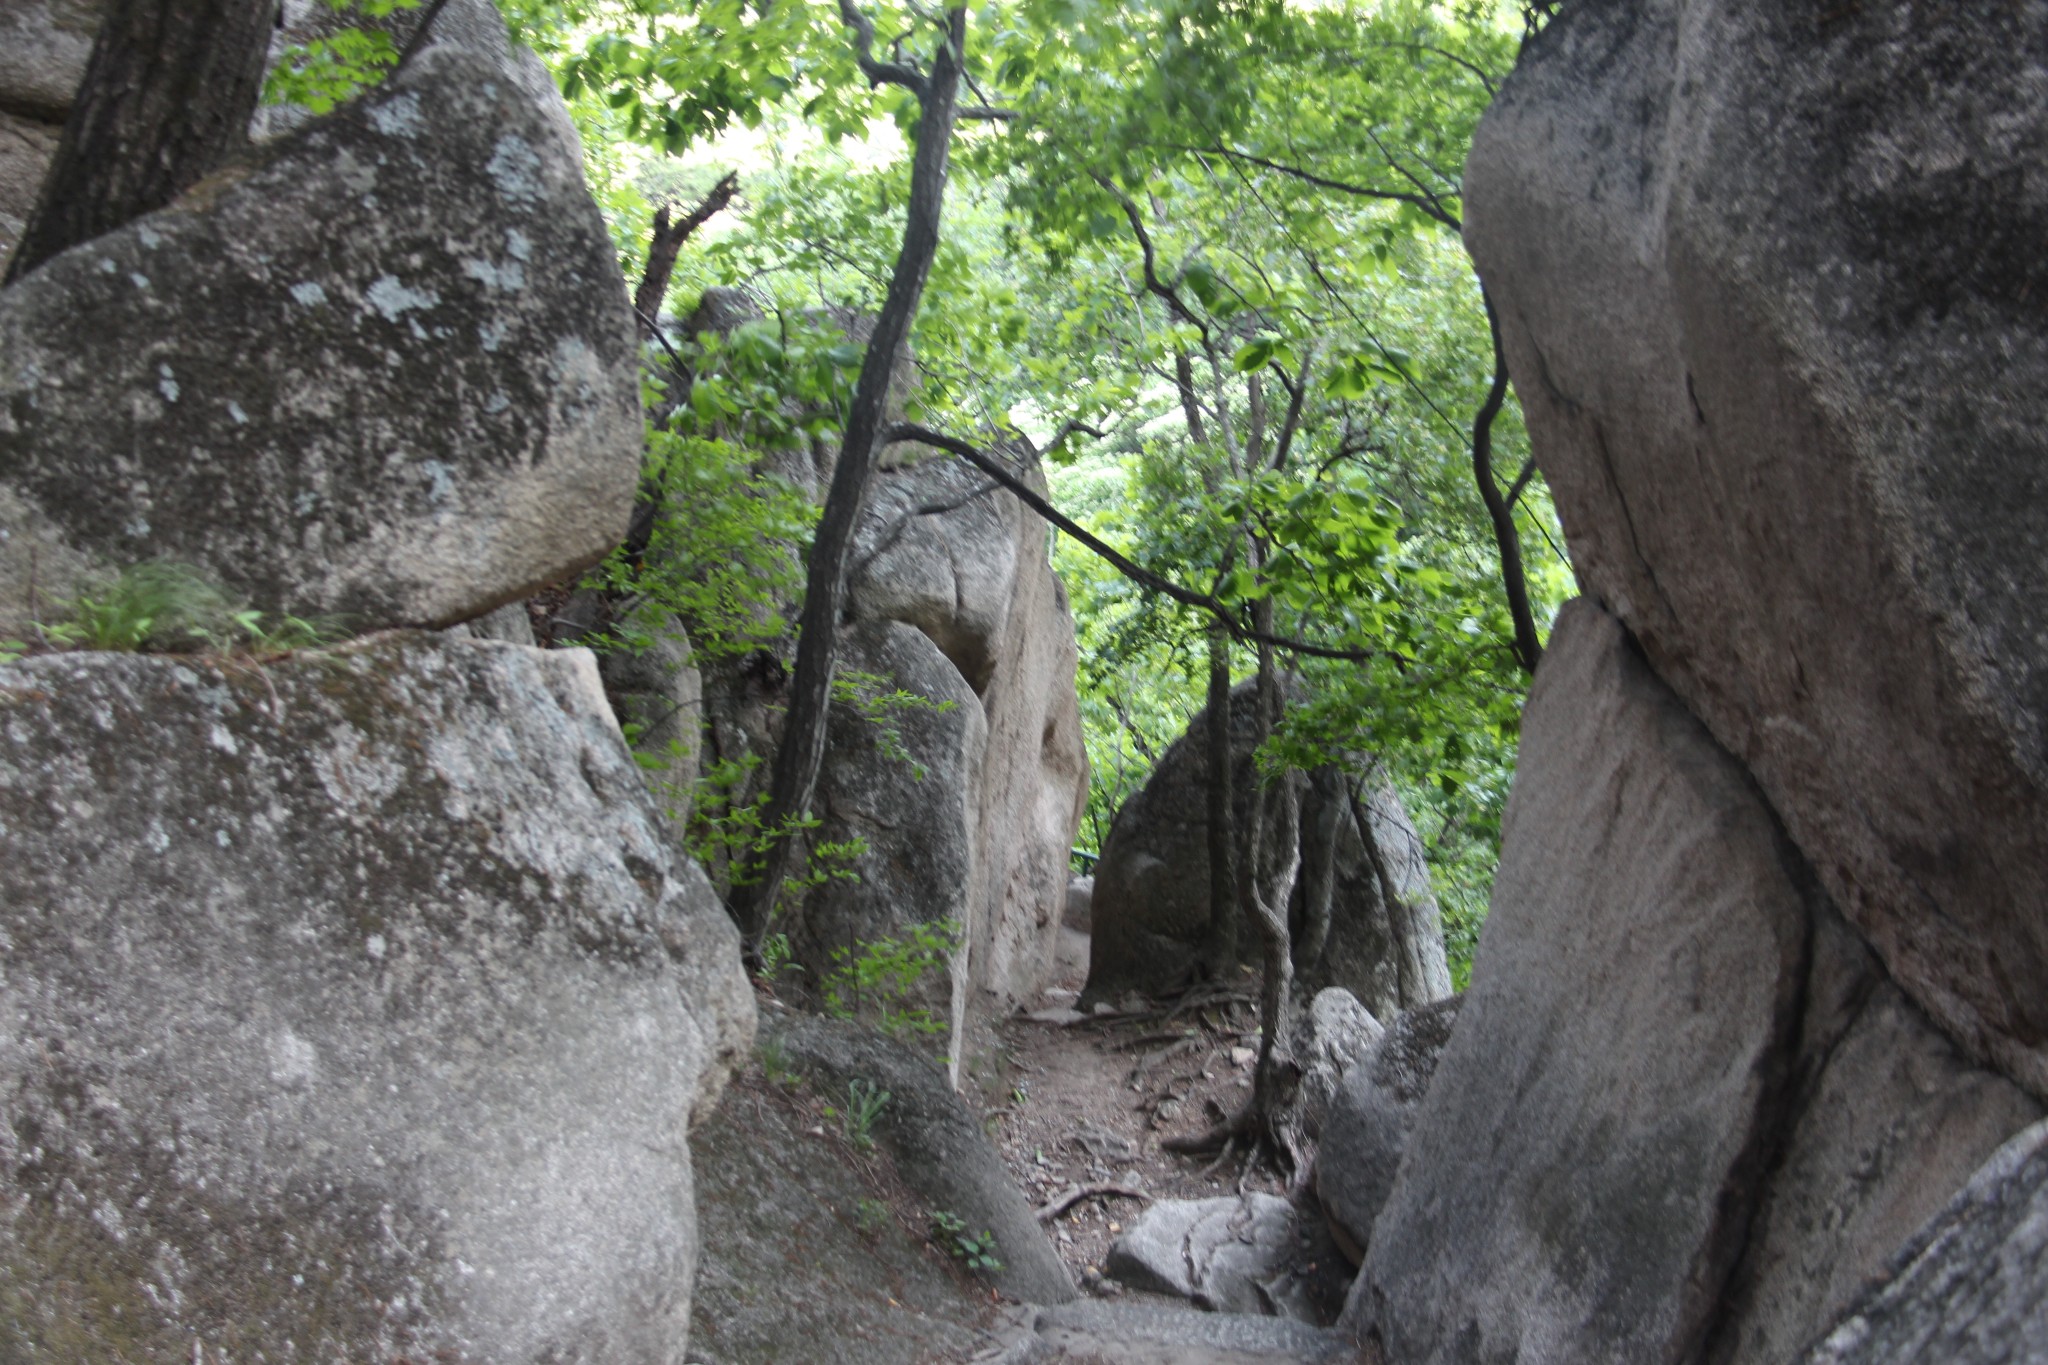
(327, 71)
(775, 958)
(871, 697)
(879, 980)
(864, 1104)
(870, 1216)
(976, 1251)
(167, 607)
(775, 1062)
(10, 650)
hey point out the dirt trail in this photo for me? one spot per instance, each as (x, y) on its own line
(1084, 1102)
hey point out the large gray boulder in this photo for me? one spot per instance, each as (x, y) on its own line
(389, 359)
(43, 49)
(1769, 281)
(902, 781)
(1887, 1121)
(357, 1011)
(1971, 1287)
(1683, 1113)
(1150, 906)
(967, 565)
(1570, 1186)
(1244, 1254)
(1366, 1124)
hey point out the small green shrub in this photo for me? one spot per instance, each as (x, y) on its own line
(878, 981)
(870, 1216)
(775, 1062)
(865, 1102)
(976, 1251)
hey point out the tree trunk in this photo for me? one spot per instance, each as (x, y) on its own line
(1219, 944)
(1528, 650)
(664, 245)
(1276, 1081)
(167, 96)
(1321, 827)
(802, 750)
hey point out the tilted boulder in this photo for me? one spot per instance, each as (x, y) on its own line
(903, 781)
(1150, 907)
(382, 370)
(359, 1012)
(1679, 1112)
(1770, 283)
(1366, 1123)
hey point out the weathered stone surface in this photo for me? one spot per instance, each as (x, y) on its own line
(939, 1148)
(904, 783)
(805, 1260)
(1078, 905)
(1888, 1122)
(43, 49)
(356, 1004)
(1151, 899)
(1141, 1334)
(1971, 1288)
(1770, 286)
(1335, 1033)
(1227, 1255)
(658, 696)
(1573, 1184)
(26, 146)
(977, 581)
(1365, 1131)
(1386, 938)
(385, 370)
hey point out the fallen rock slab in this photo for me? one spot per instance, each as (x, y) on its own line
(383, 371)
(357, 1011)
(1769, 285)
(1228, 1255)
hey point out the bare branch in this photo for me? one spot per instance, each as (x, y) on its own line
(1143, 577)
(874, 68)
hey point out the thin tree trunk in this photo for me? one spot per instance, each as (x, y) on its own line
(1276, 1078)
(1320, 829)
(167, 96)
(1528, 650)
(1219, 944)
(802, 750)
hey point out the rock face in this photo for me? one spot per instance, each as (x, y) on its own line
(361, 1012)
(904, 784)
(389, 360)
(977, 582)
(1335, 1034)
(1150, 905)
(1972, 1287)
(1366, 1124)
(43, 49)
(1617, 1050)
(1682, 1109)
(801, 1261)
(1796, 434)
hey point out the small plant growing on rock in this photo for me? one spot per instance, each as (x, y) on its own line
(865, 1102)
(976, 1251)
(171, 608)
(775, 1063)
(870, 1216)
